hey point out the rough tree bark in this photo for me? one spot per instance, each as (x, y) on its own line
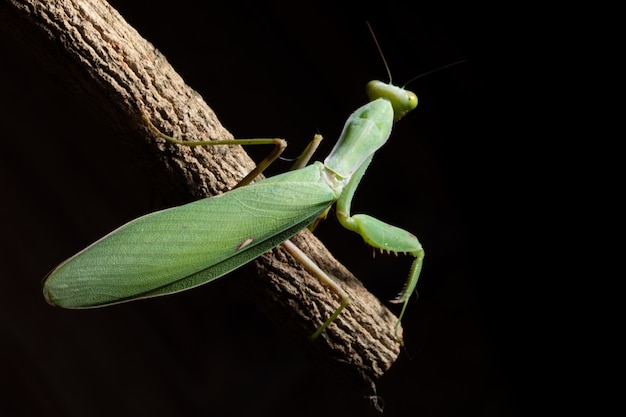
(107, 63)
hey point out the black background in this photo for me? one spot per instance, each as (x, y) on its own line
(272, 69)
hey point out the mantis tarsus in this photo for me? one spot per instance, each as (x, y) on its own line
(182, 247)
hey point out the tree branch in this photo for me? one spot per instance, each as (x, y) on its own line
(105, 61)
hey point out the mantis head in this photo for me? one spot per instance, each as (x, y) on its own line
(402, 101)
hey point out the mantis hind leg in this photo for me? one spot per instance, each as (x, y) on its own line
(324, 278)
(279, 147)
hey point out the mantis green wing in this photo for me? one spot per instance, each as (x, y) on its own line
(179, 248)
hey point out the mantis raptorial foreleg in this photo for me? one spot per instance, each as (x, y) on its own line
(382, 236)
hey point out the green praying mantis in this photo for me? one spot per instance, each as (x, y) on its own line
(183, 247)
